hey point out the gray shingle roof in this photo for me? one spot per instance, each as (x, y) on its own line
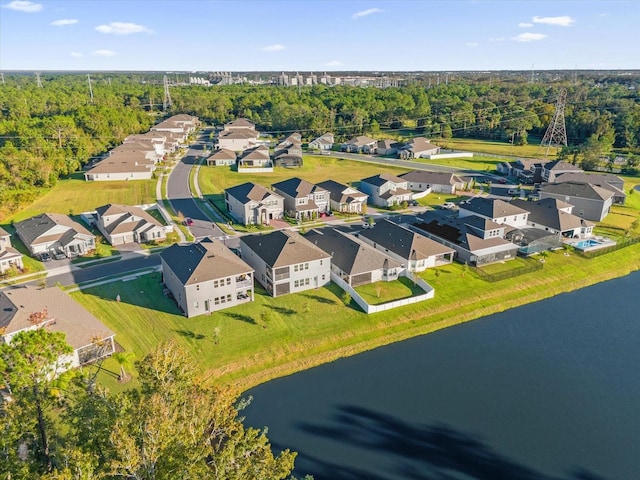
(382, 178)
(31, 229)
(283, 247)
(250, 191)
(296, 187)
(348, 253)
(336, 190)
(491, 207)
(431, 178)
(576, 189)
(200, 262)
(546, 212)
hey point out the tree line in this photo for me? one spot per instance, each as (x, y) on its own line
(50, 132)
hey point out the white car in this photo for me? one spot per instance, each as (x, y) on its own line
(448, 205)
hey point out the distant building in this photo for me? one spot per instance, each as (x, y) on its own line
(551, 170)
(360, 144)
(418, 147)
(238, 135)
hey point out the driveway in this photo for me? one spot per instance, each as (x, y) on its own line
(180, 197)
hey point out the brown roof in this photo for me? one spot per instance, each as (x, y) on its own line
(68, 317)
(36, 228)
(223, 154)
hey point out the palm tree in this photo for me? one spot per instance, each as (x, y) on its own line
(124, 359)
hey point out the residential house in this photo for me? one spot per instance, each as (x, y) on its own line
(255, 157)
(55, 233)
(416, 252)
(607, 181)
(352, 259)
(222, 157)
(418, 147)
(526, 170)
(496, 210)
(386, 190)
(551, 170)
(89, 338)
(476, 240)
(238, 135)
(302, 200)
(343, 198)
(590, 201)
(285, 262)
(9, 256)
(206, 277)
(436, 182)
(161, 142)
(360, 144)
(323, 143)
(387, 147)
(555, 216)
(253, 204)
(130, 161)
(181, 123)
(122, 224)
(288, 153)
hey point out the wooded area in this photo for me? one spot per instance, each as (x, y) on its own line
(47, 133)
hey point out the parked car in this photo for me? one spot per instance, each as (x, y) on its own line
(59, 256)
(502, 180)
(45, 257)
(188, 222)
(448, 205)
(413, 203)
(513, 191)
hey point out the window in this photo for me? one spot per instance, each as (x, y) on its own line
(306, 266)
(229, 281)
(306, 281)
(198, 287)
(228, 297)
(216, 301)
(195, 305)
(215, 284)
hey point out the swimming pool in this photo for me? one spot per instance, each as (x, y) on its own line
(582, 244)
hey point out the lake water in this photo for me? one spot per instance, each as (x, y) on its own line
(546, 391)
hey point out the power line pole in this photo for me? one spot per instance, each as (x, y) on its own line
(556, 134)
(90, 89)
(531, 80)
(2, 77)
(166, 103)
(38, 80)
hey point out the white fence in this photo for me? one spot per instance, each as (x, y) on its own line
(429, 292)
(255, 169)
(450, 155)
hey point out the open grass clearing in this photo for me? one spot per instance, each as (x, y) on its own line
(477, 162)
(314, 327)
(513, 265)
(75, 195)
(493, 147)
(383, 292)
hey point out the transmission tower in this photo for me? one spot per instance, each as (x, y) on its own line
(38, 80)
(166, 103)
(90, 89)
(556, 134)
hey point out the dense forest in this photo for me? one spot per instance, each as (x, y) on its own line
(49, 132)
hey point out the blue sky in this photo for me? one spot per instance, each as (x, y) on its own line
(317, 35)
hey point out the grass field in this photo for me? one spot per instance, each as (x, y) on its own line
(478, 162)
(270, 337)
(383, 292)
(493, 147)
(75, 195)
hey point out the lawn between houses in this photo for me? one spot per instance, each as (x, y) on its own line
(273, 337)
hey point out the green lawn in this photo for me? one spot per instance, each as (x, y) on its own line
(383, 292)
(478, 162)
(508, 266)
(493, 147)
(214, 180)
(75, 195)
(271, 337)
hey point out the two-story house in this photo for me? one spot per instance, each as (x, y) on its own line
(436, 182)
(343, 198)
(590, 201)
(122, 224)
(551, 170)
(555, 216)
(288, 153)
(360, 144)
(253, 204)
(285, 262)
(237, 135)
(496, 210)
(386, 190)
(205, 277)
(302, 200)
(9, 256)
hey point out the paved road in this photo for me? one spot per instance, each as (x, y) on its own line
(180, 195)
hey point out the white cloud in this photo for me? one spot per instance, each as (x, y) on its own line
(497, 39)
(529, 37)
(564, 21)
(103, 53)
(23, 6)
(364, 13)
(525, 25)
(64, 21)
(77, 54)
(123, 28)
(472, 44)
(333, 63)
(273, 48)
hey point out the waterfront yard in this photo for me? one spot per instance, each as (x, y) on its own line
(269, 338)
(383, 292)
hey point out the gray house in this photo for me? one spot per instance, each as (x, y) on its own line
(360, 144)
(285, 262)
(55, 233)
(555, 216)
(253, 204)
(416, 252)
(343, 198)
(386, 190)
(495, 210)
(323, 143)
(205, 277)
(590, 202)
(122, 224)
(9, 256)
(418, 147)
(476, 240)
(222, 157)
(551, 170)
(302, 200)
(387, 147)
(603, 180)
(353, 260)
(436, 182)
